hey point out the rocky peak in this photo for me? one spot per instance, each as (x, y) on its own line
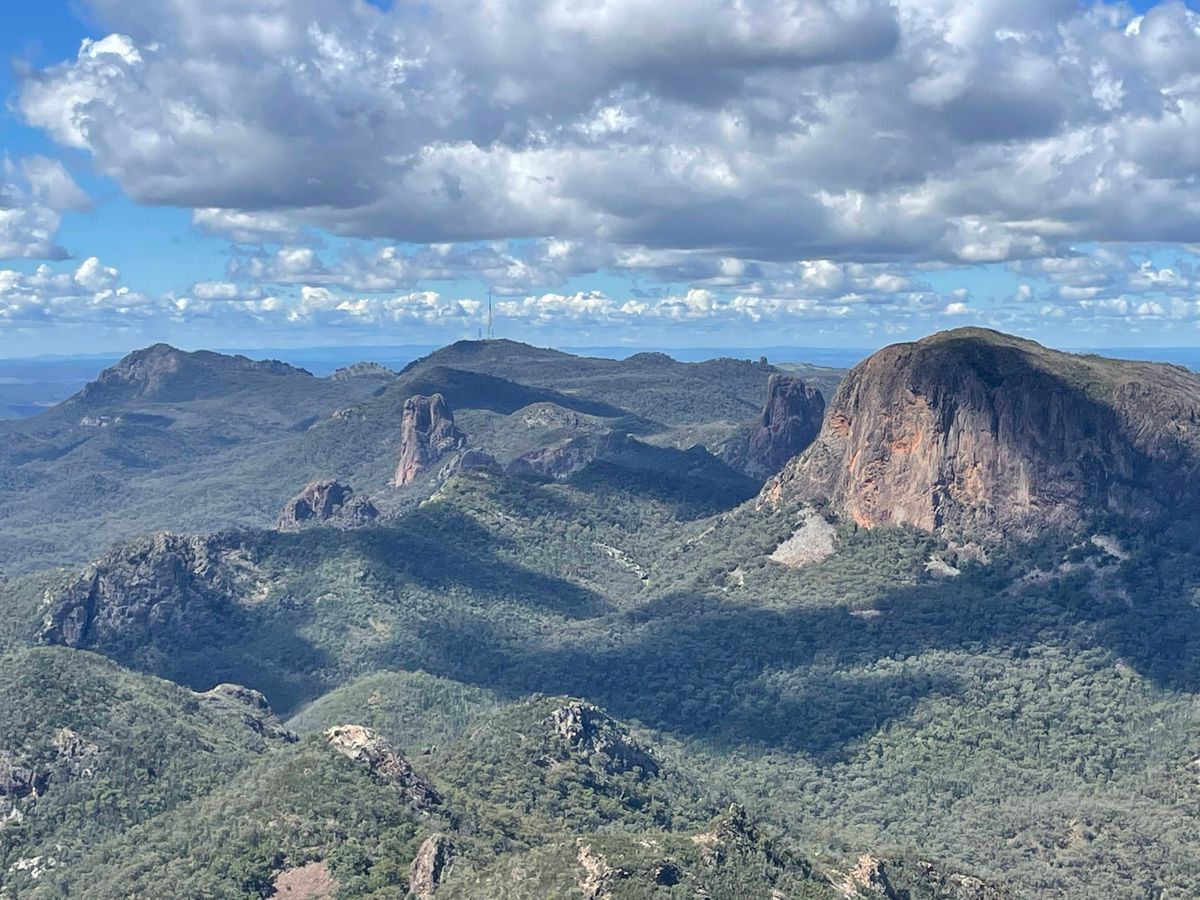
(427, 434)
(163, 372)
(790, 422)
(371, 750)
(142, 371)
(165, 582)
(430, 865)
(992, 435)
(327, 502)
(590, 732)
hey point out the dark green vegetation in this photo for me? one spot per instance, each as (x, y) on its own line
(1025, 714)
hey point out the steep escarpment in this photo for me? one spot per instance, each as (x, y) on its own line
(994, 435)
(427, 434)
(790, 421)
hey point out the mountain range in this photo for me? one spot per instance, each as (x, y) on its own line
(516, 623)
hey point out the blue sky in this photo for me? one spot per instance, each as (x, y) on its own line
(258, 173)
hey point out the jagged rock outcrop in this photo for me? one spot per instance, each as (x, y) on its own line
(732, 832)
(790, 422)
(252, 707)
(993, 436)
(371, 750)
(872, 878)
(327, 502)
(469, 461)
(590, 732)
(554, 462)
(599, 876)
(430, 865)
(868, 878)
(427, 434)
(164, 583)
(20, 782)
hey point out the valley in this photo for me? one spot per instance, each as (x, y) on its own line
(515, 623)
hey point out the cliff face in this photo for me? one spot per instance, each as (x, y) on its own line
(427, 434)
(165, 583)
(327, 502)
(790, 422)
(992, 435)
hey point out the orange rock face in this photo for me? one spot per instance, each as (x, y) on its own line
(984, 433)
(427, 434)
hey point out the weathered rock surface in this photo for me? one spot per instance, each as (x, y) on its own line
(790, 422)
(165, 582)
(993, 435)
(429, 867)
(161, 372)
(427, 434)
(327, 502)
(469, 461)
(554, 462)
(590, 732)
(872, 878)
(368, 748)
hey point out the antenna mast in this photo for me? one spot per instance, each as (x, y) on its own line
(491, 334)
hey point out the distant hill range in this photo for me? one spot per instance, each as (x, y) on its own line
(198, 441)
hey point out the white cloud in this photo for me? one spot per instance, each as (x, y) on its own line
(225, 291)
(855, 130)
(92, 292)
(34, 194)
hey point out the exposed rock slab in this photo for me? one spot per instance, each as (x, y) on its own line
(311, 881)
(811, 542)
(369, 749)
(991, 435)
(427, 434)
(430, 865)
(327, 502)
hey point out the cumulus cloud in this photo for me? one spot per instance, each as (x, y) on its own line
(859, 131)
(34, 194)
(92, 292)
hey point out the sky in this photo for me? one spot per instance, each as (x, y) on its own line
(668, 173)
